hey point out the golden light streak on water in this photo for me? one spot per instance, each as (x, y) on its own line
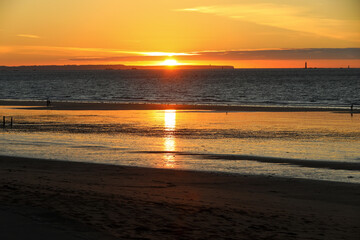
(169, 138)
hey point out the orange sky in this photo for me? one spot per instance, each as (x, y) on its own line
(255, 33)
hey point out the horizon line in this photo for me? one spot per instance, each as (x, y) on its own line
(133, 67)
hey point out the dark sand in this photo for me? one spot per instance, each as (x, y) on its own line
(141, 203)
(33, 223)
(58, 105)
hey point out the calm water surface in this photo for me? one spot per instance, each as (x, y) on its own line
(196, 140)
(284, 87)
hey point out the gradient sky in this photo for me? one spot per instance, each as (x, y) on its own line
(256, 33)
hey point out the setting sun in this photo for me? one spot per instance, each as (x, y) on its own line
(170, 62)
(243, 34)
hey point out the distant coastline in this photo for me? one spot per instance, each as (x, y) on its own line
(111, 67)
(149, 67)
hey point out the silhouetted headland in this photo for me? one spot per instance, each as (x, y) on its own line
(110, 67)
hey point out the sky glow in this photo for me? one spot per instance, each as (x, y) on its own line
(142, 32)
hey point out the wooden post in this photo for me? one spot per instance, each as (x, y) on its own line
(11, 122)
(3, 121)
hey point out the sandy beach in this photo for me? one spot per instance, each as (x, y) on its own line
(141, 203)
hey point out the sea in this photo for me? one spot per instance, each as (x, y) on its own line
(312, 145)
(280, 87)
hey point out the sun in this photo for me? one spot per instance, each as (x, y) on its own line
(170, 62)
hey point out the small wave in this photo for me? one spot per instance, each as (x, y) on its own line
(196, 133)
(98, 147)
(335, 165)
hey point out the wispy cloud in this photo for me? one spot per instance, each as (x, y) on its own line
(285, 54)
(28, 36)
(72, 51)
(112, 55)
(272, 54)
(119, 59)
(169, 54)
(287, 17)
(94, 52)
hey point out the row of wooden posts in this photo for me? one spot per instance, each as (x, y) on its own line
(4, 122)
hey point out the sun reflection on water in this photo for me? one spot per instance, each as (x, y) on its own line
(169, 137)
(170, 120)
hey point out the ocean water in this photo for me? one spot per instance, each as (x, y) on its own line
(280, 87)
(310, 145)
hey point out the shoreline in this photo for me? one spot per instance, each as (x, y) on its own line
(149, 128)
(170, 170)
(79, 105)
(135, 202)
(318, 164)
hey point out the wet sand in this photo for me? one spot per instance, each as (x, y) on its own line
(62, 105)
(298, 162)
(142, 203)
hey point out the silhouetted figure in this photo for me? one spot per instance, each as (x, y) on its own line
(352, 107)
(48, 103)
